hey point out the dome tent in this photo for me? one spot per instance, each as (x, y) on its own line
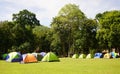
(75, 56)
(82, 56)
(29, 58)
(43, 53)
(88, 56)
(107, 55)
(50, 57)
(14, 57)
(97, 55)
(4, 56)
(113, 54)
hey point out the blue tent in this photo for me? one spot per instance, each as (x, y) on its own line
(43, 53)
(14, 57)
(97, 55)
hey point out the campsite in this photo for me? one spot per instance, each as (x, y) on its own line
(50, 63)
(59, 37)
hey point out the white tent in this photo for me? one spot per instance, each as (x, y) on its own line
(82, 56)
(88, 56)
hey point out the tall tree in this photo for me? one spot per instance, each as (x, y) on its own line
(108, 32)
(24, 21)
(87, 40)
(25, 17)
(6, 38)
(65, 24)
(23, 38)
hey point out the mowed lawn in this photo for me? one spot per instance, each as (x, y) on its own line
(65, 66)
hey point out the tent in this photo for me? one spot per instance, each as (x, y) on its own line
(88, 56)
(75, 56)
(14, 57)
(107, 55)
(43, 53)
(35, 54)
(82, 56)
(50, 57)
(4, 56)
(28, 58)
(113, 54)
(97, 55)
(38, 56)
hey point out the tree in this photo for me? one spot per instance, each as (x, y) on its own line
(40, 38)
(108, 32)
(23, 37)
(6, 38)
(87, 34)
(65, 24)
(25, 17)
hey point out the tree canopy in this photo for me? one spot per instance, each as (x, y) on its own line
(108, 32)
(74, 30)
(25, 17)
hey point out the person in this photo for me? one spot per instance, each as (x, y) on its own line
(103, 53)
(113, 53)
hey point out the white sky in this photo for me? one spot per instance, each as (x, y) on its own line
(45, 10)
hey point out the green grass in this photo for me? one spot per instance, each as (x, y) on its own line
(65, 66)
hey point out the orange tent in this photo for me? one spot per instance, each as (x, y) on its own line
(27, 58)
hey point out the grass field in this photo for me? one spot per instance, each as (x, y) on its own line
(65, 66)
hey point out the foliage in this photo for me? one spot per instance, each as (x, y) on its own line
(65, 25)
(87, 38)
(6, 37)
(108, 33)
(40, 37)
(25, 17)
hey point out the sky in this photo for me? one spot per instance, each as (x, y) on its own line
(45, 10)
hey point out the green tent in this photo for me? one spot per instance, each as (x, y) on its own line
(75, 56)
(50, 57)
(4, 56)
